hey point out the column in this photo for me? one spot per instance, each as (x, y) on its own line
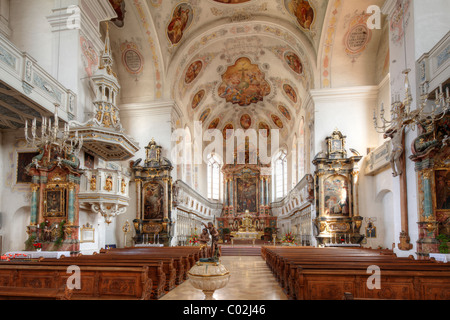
(71, 208)
(231, 196)
(138, 197)
(34, 204)
(166, 197)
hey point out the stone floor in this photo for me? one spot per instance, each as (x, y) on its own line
(250, 279)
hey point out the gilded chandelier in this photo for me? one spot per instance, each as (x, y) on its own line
(52, 135)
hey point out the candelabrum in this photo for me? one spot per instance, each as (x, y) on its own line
(401, 114)
(52, 135)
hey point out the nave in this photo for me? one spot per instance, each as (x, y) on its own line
(250, 279)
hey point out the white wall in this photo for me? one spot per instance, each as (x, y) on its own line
(431, 24)
(31, 31)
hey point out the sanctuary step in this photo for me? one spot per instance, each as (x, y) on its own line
(241, 251)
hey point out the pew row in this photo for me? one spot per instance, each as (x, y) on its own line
(328, 273)
(97, 282)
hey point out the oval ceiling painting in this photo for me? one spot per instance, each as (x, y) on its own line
(193, 71)
(231, 1)
(228, 126)
(181, 20)
(264, 126)
(214, 124)
(198, 98)
(244, 83)
(294, 62)
(246, 121)
(277, 121)
(303, 11)
(204, 115)
(290, 92)
(284, 111)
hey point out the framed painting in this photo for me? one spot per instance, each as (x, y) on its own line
(246, 189)
(442, 189)
(152, 201)
(89, 160)
(55, 202)
(23, 160)
(336, 196)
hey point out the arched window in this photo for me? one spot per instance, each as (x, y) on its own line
(279, 173)
(214, 165)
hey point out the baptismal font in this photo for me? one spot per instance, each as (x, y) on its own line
(208, 274)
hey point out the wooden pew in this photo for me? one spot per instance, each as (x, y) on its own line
(24, 293)
(323, 274)
(97, 282)
(184, 259)
(155, 269)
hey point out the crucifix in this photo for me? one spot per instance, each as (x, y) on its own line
(401, 118)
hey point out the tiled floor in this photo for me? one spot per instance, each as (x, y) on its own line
(250, 279)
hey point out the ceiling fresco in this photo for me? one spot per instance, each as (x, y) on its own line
(240, 63)
(244, 83)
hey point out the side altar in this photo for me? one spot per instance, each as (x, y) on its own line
(55, 173)
(153, 179)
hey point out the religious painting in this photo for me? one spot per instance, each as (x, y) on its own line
(55, 202)
(371, 230)
(442, 182)
(228, 126)
(231, 1)
(264, 126)
(89, 57)
(181, 20)
(89, 160)
(153, 195)
(336, 195)
(303, 11)
(23, 160)
(246, 121)
(119, 8)
(284, 111)
(198, 98)
(294, 62)
(243, 83)
(246, 194)
(290, 92)
(193, 71)
(204, 115)
(214, 124)
(277, 121)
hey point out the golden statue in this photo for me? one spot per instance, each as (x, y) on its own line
(247, 224)
(108, 183)
(93, 183)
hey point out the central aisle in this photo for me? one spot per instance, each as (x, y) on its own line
(250, 279)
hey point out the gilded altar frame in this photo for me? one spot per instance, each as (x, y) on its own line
(153, 211)
(336, 186)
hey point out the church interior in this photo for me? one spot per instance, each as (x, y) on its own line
(279, 148)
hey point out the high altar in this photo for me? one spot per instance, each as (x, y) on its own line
(247, 194)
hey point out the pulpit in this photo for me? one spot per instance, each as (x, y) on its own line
(153, 195)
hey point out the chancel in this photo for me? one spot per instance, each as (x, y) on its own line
(228, 150)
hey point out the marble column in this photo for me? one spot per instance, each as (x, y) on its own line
(138, 197)
(71, 208)
(34, 204)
